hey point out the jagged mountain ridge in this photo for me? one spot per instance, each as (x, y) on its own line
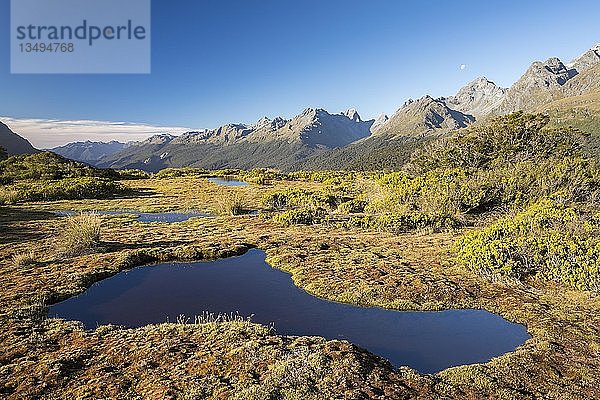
(313, 127)
(569, 93)
(245, 146)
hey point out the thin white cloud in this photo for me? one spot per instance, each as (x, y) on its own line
(49, 133)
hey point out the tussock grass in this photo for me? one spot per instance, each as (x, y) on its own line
(207, 317)
(80, 235)
(23, 259)
(231, 204)
(8, 195)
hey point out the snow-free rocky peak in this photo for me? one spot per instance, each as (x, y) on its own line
(423, 116)
(379, 122)
(352, 114)
(478, 98)
(159, 139)
(546, 74)
(269, 124)
(587, 60)
(541, 84)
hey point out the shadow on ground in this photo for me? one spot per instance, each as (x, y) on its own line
(14, 227)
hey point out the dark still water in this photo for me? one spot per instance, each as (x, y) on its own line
(426, 341)
(228, 181)
(168, 217)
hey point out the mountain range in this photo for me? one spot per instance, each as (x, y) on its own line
(274, 142)
(318, 139)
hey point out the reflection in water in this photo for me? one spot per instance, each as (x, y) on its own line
(226, 181)
(426, 341)
(168, 217)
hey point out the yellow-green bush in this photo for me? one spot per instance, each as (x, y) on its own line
(289, 198)
(353, 206)
(548, 241)
(169, 173)
(301, 216)
(508, 139)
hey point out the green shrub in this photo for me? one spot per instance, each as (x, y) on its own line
(301, 216)
(169, 173)
(8, 195)
(261, 176)
(353, 206)
(457, 196)
(440, 198)
(508, 139)
(403, 221)
(133, 174)
(548, 241)
(288, 198)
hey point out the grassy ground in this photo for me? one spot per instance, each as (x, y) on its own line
(50, 358)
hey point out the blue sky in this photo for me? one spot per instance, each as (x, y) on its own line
(235, 61)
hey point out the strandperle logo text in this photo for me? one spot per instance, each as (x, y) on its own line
(84, 31)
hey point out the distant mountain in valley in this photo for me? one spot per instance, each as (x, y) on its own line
(317, 139)
(89, 152)
(13, 143)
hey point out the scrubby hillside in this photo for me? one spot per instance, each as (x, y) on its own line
(48, 176)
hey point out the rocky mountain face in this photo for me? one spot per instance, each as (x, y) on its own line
(314, 128)
(13, 143)
(585, 82)
(478, 98)
(422, 117)
(548, 81)
(587, 60)
(540, 84)
(569, 93)
(89, 152)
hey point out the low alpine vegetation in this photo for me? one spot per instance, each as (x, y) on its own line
(49, 177)
(64, 189)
